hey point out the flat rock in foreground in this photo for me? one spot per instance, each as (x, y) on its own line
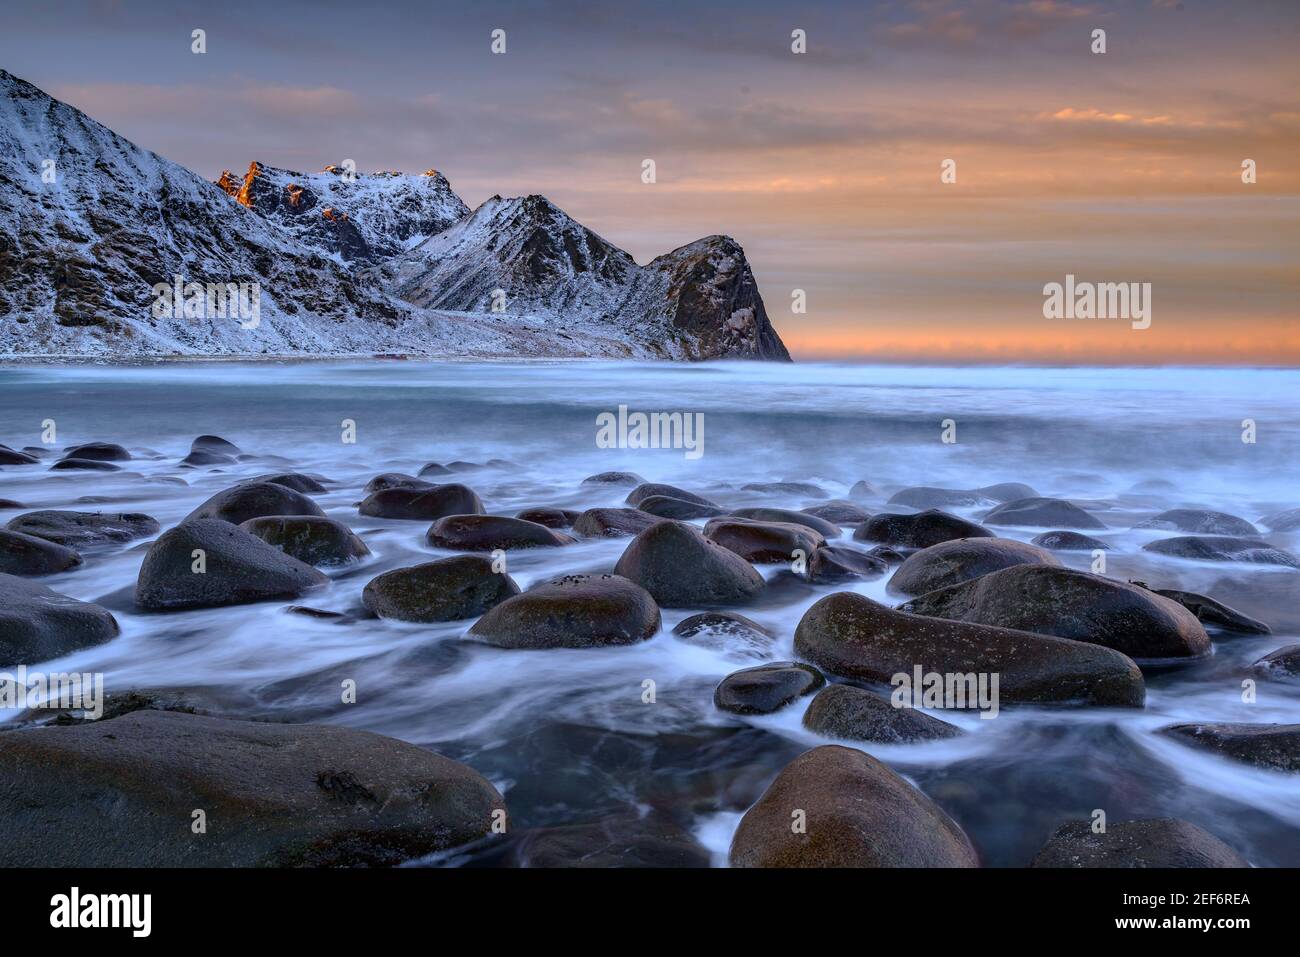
(856, 812)
(123, 792)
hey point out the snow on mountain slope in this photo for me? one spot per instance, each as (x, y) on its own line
(358, 216)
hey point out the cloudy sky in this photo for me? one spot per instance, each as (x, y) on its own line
(1115, 167)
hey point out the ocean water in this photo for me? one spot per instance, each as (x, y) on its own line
(565, 734)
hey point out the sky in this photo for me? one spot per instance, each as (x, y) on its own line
(1115, 167)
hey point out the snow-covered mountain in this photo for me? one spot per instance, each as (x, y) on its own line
(96, 234)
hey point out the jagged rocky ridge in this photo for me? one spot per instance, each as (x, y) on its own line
(387, 263)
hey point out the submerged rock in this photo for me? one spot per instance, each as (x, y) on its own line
(613, 522)
(199, 458)
(628, 840)
(651, 489)
(789, 517)
(309, 538)
(237, 568)
(766, 688)
(1039, 512)
(253, 500)
(550, 517)
(682, 569)
(1008, 491)
(1285, 521)
(1200, 520)
(733, 635)
(806, 489)
(395, 480)
(28, 555)
(918, 531)
(10, 456)
(37, 624)
(863, 491)
(1272, 746)
(577, 611)
(214, 443)
(1222, 549)
(422, 504)
(665, 506)
(854, 637)
(1066, 541)
(614, 478)
(1283, 663)
(855, 714)
(84, 465)
(450, 589)
(99, 452)
(484, 533)
(962, 559)
(293, 480)
(763, 542)
(275, 795)
(839, 512)
(430, 469)
(925, 496)
(1159, 842)
(1211, 612)
(84, 529)
(1050, 600)
(837, 563)
(855, 811)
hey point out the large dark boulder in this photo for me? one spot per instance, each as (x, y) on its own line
(37, 624)
(1159, 842)
(1038, 512)
(1067, 603)
(1272, 746)
(99, 452)
(238, 568)
(854, 637)
(855, 714)
(683, 569)
(28, 555)
(918, 531)
(577, 611)
(84, 529)
(450, 589)
(252, 500)
(854, 811)
(422, 504)
(10, 456)
(1200, 520)
(484, 533)
(1205, 548)
(123, 792)
(309, 538)
(613, 522)
(766, 688)
(961, 560)
(763, 542)
(395, 480)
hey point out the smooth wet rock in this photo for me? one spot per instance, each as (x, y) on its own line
(926, 496)
(665, 506)
(422, 504)
(1158, 842)
(790, 517)
(239, 503)
(613, 522)
(239, 568)
(805, 489)
(650, 489)
(854, 637)
(962, 559)
(84, 529)
(1205, 548)
(620, 841)
(28, 555)
(1211, 612)
(84, 465)
(1068, 603)
(766, 688)
(1039, 512)
(918, 531)
(37, 624)
(309, 538)
(1067, 541)
(763, 542)
(1272, 746)
(98, 452)
(395, 480)
(683, 569)
(293, 480)
(856, 812)
(10, 456)
(200, 458)
(838, 563)
(1200, 520)
(863, 491)
(577, 611)
(10, 503)
(431, 469)
(839, 512)
(1282, 664)
(275, 795)
(855, 714)
(484, 533)
(215, 444)
(550, 517)
(887, 554)
(1007, 491)
(450, 589)
(1284, 521)
(733, 635)
(614, 478)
